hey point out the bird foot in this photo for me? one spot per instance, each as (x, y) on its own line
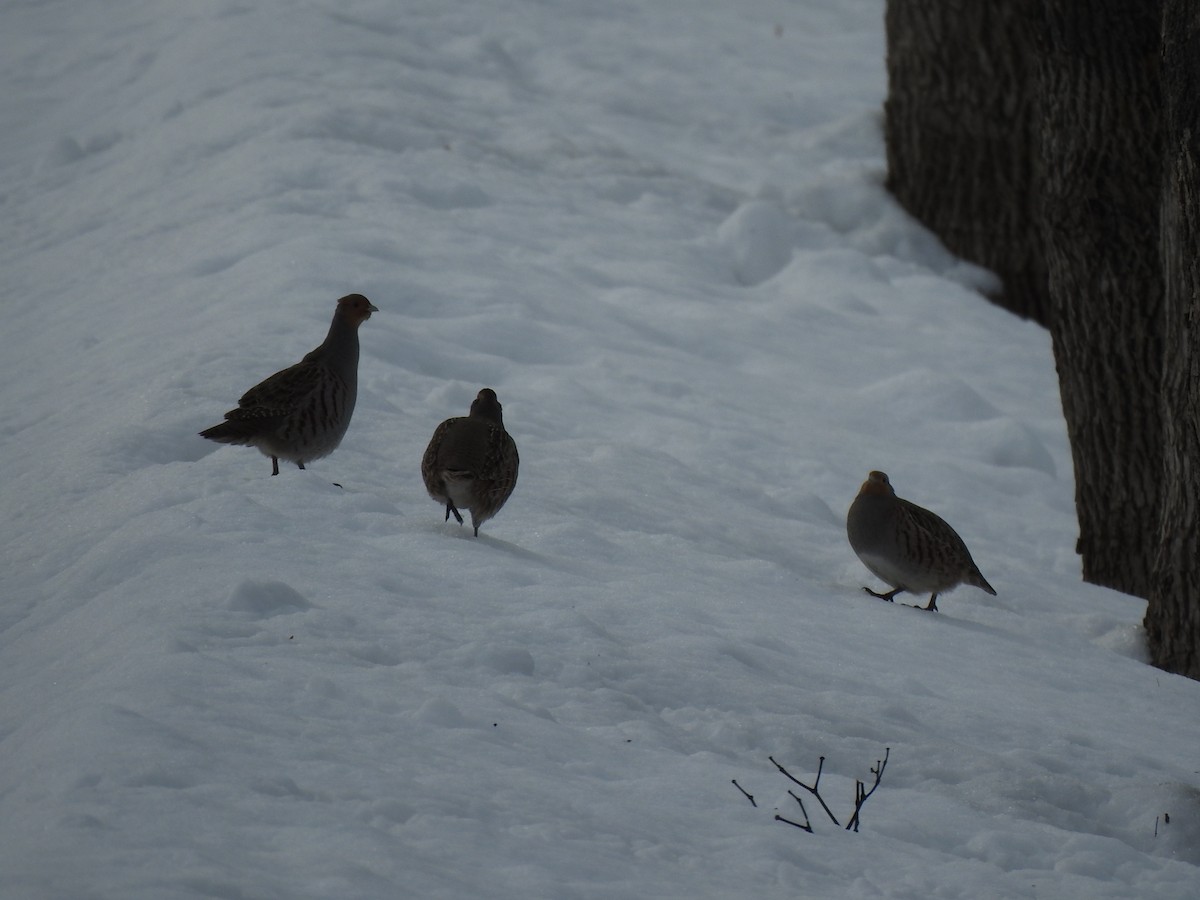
(931, 607)
(888, 596)
(457, 515)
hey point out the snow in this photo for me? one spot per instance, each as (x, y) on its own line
(659, 232)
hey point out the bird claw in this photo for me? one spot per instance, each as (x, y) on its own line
(931, 607)
(888, 596)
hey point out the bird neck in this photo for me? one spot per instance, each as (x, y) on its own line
(490, 415)
(488, 411)
(341, 344)
(876, 489)
(872, 517)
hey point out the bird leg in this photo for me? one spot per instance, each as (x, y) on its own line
(450, 509)
(932, 607)
(888, 596)
(300, 464)
(274, 465)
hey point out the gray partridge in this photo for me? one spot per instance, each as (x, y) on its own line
(302, 413)
(471, 462)
(906, 546)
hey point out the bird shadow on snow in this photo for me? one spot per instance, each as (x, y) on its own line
(558, 563)
(944, 615)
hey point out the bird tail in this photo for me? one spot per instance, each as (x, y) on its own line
(980, 582)
(231, 431)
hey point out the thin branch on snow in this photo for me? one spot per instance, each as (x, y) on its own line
(745, 793)
(861, 794)
(807, 826)
(813, 789)
(1166, 820)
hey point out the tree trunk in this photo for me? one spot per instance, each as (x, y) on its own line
(1173, 613)
(958, 124)
(1058, 142)
(1101, 152)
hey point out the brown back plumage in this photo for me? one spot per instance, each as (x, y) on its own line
(907, 546)
(471, 462)
(302, 412)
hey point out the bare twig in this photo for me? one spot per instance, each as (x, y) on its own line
(745, 794)
(807, 826)
(804, 827)
(860, 792)
(813, 789)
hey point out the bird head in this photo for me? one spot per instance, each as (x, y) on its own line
(356, 308)
(486, 405)
(877, 483)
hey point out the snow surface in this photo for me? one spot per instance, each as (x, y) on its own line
(658, 231)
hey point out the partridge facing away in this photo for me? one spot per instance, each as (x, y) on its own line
(906, 546)
(471, 462)
(302, 413)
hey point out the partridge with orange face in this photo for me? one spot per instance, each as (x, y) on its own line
(302, 413)
(906, 546)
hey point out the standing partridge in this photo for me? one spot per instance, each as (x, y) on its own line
(906, 546)
(471, 462)
(302, 413)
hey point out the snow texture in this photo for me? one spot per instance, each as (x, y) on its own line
(659, 231)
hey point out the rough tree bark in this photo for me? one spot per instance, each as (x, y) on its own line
(959, 126)
(1173, 613)
(1101, 151)
(1105, 147)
